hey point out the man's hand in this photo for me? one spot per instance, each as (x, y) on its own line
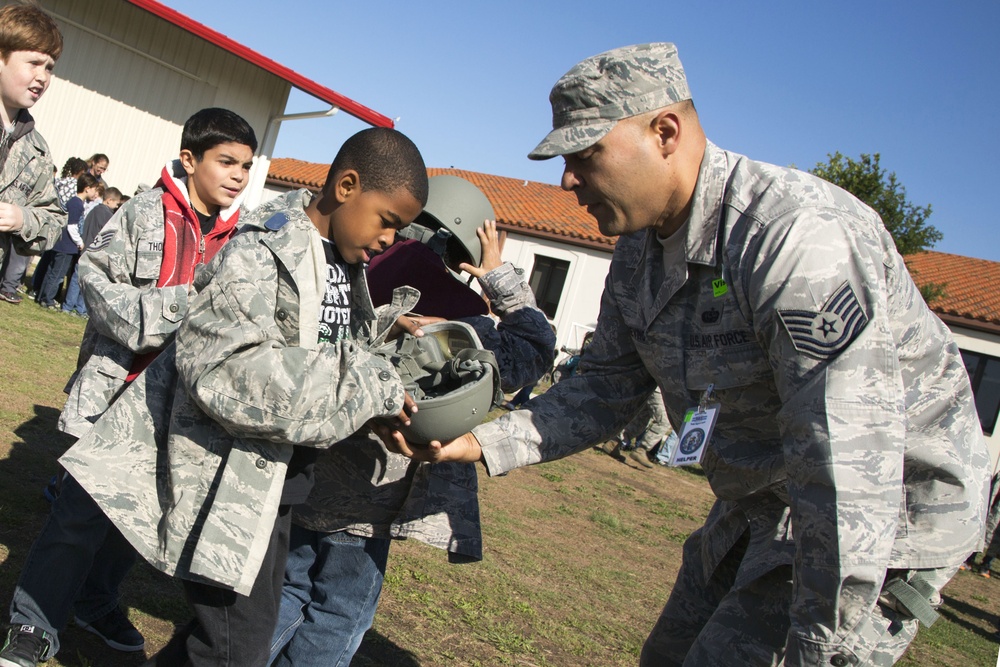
(490, 242)
(463, 449)
(11, 217)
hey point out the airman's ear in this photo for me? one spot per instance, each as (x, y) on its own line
(667, 126)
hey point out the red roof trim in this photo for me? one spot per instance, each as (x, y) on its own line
(302, 83)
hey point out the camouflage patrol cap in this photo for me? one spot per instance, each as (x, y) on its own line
(590, 98)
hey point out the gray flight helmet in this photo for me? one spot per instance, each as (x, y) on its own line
(453, 380)
(455, 210)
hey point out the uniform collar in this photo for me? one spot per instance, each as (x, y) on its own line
(700, 244)
(706, 208)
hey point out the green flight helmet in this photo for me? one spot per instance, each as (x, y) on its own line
(453, 380)
(455, 210)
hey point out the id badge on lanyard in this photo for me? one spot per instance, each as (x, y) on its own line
(699, 422)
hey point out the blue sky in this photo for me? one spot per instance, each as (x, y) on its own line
(784, 82)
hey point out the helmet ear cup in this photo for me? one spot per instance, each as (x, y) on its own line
(458, 208)
(453, 380)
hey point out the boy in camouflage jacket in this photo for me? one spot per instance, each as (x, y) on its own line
(136, 278)
(365, 496)
(203, 492)
(30, 216)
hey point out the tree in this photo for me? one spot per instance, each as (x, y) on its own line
(907, 222)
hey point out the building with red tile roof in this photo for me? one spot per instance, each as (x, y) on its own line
(971, 288)
(534, 209)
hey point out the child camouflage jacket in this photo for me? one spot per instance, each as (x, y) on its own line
(195, 485)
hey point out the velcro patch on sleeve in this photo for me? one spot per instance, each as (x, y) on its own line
(824, 334)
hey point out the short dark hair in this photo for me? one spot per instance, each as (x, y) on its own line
(112, 193)
(25, 27)
(85, 181)
(210, 127)
(385, 159)
(74, 165)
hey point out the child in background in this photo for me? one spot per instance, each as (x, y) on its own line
(68, 248)
(89, 228)
(66, 183)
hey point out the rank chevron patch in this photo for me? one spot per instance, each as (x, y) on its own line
(824, 334)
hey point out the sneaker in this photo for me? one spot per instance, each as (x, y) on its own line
(116, 631)
(640, 457)
(10, 297)
(26, 646)
(985, 573)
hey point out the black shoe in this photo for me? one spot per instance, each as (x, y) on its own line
(26, 646)
(116, 631)
(10, 297)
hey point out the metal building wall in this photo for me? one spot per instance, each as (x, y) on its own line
(127, 81)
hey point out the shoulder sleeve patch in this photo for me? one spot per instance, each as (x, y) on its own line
(102, 240)
(276, 222)
(824, 334)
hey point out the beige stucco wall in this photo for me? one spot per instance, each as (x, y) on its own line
(127, 81)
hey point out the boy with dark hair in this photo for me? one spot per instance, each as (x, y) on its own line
(69, 245)
(96, 219)
(272, 362)
(365, 496)
(30, 216)
(137, 278)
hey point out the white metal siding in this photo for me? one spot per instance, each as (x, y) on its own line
(127, 81)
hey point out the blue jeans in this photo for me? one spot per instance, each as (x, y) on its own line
(667, 448)
(16, 265)
(74, 297)
(332, 585)
(77, 561)
(61, 264)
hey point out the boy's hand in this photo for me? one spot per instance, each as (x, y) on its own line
(463, 449)
(11, 217)
(411, 324)
(490, 242)
(409, 409)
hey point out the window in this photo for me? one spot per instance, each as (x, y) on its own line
(984, 372)
(547, 279)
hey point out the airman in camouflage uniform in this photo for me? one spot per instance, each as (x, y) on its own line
(848, 462)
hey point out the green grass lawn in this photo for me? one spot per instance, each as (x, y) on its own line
(579, 553)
